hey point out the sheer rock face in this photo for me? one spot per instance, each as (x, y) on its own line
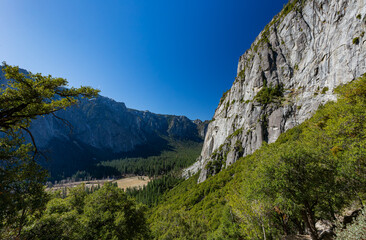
(103, 129)
(103, 123)
(309, 51)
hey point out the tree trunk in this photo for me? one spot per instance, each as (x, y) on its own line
(309, 220)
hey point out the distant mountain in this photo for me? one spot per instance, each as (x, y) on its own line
(103, 129)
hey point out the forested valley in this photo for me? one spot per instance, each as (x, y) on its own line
(283, 158)
(312, 172)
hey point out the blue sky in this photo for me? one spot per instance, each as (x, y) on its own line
(166, 56)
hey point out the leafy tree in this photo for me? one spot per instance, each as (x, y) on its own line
(23, 97)
(59, 221)
(228, 228)
(153, 191)
(179, 224)
(27, 96)
(312, 171)
(105, 214)
(109, 214)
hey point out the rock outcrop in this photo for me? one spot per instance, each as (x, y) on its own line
(293, 66)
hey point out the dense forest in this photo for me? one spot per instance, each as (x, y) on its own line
(181, 154)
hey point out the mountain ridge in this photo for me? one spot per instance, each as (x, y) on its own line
(101, 128)
(292, 67)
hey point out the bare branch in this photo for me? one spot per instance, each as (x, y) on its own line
(67, 123)
(33, 142)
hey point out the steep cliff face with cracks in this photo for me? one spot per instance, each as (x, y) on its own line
(293, 66)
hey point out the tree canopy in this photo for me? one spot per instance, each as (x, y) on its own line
(23, 97)
(104, 214)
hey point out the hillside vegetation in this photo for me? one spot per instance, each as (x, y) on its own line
(311, 172)
(180, 154)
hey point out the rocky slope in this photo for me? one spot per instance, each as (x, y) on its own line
(292, 67)
(103, 129)
(105, 124)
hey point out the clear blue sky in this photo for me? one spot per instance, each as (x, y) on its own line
(166, 56)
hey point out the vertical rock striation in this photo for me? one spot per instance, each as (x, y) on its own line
(293, 66)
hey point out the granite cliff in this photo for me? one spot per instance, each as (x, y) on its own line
(292, 67)
(102, 129)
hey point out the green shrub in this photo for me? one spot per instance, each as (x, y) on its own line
(356, 40)
(358, 16)
(224, 96)
(242, 74)
(237, 132)
(268, 94)
(325, 89)
(355, 230)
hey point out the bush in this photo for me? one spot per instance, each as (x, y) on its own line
(356, 40)
(325, 89)
(354, 231)
(268, 94)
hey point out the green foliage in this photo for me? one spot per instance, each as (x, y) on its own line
(324, 90)
(311, 172)
(200, 206)
(262, 41)
(228, 228)
(182, 155)
(105, 214)
(153, 191)
(268, 94)
(179, 224)
(356, 40)
(241, 74)
(358, 16)
(21, 189)
(28, 96)
(354, 231)
(23, 97)
(290, 6)
(301, 175)
(237, 132)
(224, 96)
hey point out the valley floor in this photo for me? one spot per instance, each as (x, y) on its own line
(123, 183)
